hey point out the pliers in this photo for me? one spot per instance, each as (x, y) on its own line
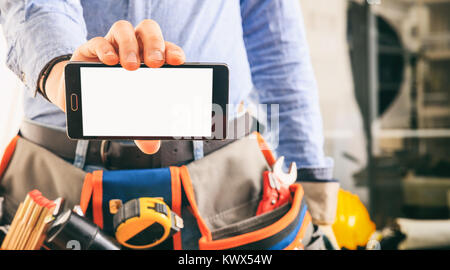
(276, 186)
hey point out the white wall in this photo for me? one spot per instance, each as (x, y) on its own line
(11, 111)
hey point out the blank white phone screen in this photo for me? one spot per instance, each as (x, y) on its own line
(147, 102)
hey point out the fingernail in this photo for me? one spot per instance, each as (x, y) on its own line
(156, 56)
(132, 58)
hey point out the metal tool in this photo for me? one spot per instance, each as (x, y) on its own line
(285, 178)
(276, 186)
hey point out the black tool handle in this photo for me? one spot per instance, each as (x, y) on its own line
(72, 231)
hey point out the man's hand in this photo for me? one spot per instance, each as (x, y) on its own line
(122, 44)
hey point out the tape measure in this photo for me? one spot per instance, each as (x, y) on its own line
(145, 222)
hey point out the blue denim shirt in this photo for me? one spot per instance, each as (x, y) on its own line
(262, 41)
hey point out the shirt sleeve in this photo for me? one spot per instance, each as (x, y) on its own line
(36, 31)
(282, 74)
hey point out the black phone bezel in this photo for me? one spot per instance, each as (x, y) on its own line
(74, 118)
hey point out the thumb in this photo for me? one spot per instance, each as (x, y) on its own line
(148, 147)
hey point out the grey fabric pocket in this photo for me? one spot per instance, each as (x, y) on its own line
(251, 224)
(33, 167)
(228, 182)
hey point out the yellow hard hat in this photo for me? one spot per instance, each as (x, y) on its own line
(353, 226)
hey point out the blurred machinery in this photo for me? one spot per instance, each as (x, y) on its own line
(400, 53)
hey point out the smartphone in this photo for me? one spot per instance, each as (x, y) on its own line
(172, 102)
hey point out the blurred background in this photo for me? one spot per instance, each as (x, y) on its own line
(383, 69)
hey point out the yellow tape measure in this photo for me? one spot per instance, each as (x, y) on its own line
(145, 222)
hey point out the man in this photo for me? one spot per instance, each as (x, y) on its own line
(262, 41)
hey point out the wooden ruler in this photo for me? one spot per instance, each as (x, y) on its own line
(32, 219)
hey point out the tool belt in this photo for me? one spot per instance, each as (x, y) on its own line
(216, 196)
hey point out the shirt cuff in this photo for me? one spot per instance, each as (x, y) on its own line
(317, 174)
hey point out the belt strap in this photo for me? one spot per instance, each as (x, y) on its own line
(125, 154)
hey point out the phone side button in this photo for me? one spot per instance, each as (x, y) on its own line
(74, 102)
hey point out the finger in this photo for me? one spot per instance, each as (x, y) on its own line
(123, 37)
(174, 54)
(151, 37)
(97, 48)
(148, 147)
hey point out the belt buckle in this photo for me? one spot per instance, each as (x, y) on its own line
(104, 146)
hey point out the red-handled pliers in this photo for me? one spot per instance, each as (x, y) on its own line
(276, 186)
